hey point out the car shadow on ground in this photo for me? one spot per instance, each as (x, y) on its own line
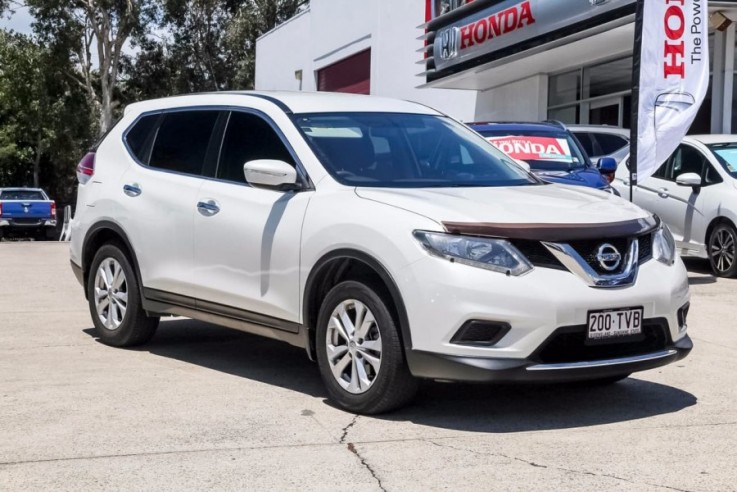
(466, 407)
(702, 269)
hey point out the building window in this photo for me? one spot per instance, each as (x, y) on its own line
(352, 74)
(597, 95)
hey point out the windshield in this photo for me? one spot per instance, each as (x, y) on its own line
(543, 151)
(21, 195)
(406, 151)
(727, 156)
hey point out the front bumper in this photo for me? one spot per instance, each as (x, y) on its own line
(479, 369)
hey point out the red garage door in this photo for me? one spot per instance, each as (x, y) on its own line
(352, 74)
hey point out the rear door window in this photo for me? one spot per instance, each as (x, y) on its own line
(182, 141)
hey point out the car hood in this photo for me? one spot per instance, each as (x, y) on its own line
(581, 177)
(548, 204)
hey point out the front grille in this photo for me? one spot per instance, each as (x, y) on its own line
(569, 344)
(590, 248)
(646, 247)
(539, 255)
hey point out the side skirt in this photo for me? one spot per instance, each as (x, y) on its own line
(160, 302)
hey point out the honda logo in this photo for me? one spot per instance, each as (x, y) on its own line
(449, 43)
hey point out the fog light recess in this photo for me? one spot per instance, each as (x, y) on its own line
(480, 333)
(682, 317)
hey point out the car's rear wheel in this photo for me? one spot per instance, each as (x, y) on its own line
(360, 353)
(722, 249)
(115, 301)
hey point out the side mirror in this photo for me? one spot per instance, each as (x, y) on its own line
(607, 165)
(690, 179)
(272, 174)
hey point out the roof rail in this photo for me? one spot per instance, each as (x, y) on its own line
(556, 123)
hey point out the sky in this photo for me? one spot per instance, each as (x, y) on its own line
(20, 21)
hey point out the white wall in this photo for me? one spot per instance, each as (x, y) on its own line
(276, 61)
(395, 58)
(524, 100)
(335, 29)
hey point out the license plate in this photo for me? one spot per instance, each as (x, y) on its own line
(614, 323)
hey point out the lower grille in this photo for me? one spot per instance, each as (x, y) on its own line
(569, 344)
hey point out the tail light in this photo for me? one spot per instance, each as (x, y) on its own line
(86, 168)
(53, 209)
(1, 209)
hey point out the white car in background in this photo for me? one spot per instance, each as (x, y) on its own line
(695, 193)
(386, 239)
(601, 140)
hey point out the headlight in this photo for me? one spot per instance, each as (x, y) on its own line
(664, 246)
(491, 254)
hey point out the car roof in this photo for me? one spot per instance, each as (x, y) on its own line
(292, 102)
(613, 130)
(517, 127)
(713, 139)
(20, 189)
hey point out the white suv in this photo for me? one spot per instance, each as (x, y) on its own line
(388, 240)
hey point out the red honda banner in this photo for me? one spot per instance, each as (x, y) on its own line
(671, 77)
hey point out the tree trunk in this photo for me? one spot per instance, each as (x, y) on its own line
(37, 164)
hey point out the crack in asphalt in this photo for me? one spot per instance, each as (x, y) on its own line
(347, 428)
(565, 470)
(352, 449)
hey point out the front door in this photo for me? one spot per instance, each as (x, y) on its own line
(247, 240)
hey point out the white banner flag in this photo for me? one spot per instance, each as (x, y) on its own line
(673, 78)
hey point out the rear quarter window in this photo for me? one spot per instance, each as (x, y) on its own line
(139, 136)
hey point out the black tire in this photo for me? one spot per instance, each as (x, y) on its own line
(393, 386)
(135, 327)
(721, 246)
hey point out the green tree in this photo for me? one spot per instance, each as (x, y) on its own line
(94, 34)
(44, 118)
(209, 45)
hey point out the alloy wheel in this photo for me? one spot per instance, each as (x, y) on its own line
(111, 293)
(723, 250)
(354, 347)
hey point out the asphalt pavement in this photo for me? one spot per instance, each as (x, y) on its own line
(203, 407)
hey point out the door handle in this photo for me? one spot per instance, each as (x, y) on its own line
(208, 208)
(663, 193)
(132, 190)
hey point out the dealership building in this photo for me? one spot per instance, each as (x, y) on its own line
(488, 60)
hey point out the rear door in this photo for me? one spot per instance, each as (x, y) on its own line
(247, 242)
(159, 194)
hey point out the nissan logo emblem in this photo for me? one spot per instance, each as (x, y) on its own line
(608, 257)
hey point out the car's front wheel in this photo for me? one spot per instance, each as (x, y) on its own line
(360, 353)
(115, 300)
(722, 249)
